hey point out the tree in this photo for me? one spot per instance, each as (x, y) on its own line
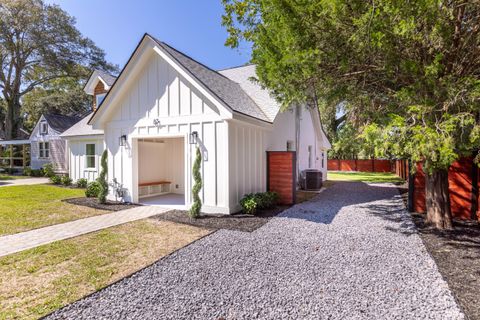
(197, 186)
(411, 60)
(39, 43)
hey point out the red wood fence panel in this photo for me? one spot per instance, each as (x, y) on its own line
(460, 187)
(281, 171)
(369, 165)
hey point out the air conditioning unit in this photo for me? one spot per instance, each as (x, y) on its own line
(311, 179)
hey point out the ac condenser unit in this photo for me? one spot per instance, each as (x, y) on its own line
(311, 179)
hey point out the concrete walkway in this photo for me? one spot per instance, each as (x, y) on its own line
(23, 182)
(34, 238)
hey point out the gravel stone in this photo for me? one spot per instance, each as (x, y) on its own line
(351, 253)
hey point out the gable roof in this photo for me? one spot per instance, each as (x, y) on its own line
(98, 75)
(82, 128)
(244, 76)
(225, 89)
(59, 122)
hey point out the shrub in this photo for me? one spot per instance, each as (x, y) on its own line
(66, 181)
(48, 170)
(197, 178)
(27, 172)
(266, 200)
(102, 179)
(93, 189)
(249, 204)
(37, 173)
(82, 183)
(56, 179)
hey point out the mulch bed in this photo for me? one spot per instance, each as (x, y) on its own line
(457, 255)
(238, 221)
(93, 203)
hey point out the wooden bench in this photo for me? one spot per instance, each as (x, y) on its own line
(153, 188)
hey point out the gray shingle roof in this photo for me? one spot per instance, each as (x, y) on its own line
(59, 122)
(82, 128)
(228, 91)
(245, 76)
(108, 78)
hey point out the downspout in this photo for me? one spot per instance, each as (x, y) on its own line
(297, 139)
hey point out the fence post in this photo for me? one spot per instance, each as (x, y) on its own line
(411, 187)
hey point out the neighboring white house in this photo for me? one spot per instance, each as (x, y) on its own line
(84, 144)
(46, 144)
(164, 104)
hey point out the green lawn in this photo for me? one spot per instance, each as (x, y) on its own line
(29, 207)
(363, 176)
(35, 282)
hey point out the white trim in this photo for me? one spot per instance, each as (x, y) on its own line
(92, 83)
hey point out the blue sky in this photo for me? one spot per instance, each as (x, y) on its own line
(191, 26)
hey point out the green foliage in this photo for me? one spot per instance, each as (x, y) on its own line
(39, 44)
(410, 68)
(66, 180)
(93, 189)
(249, 204)
(260, 200)
(102, 179)
(27, 171)
(197, 186)
(55, 179)
(33, 172)
(48, 170)
(81, 183)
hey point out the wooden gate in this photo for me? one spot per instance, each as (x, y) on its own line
(281, 175)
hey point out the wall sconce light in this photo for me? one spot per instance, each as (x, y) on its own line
(193, 138)
(122, 141)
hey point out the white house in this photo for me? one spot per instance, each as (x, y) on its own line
(85, 145)
(164, 104)
(46, 144)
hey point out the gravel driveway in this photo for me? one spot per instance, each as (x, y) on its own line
(351, 253)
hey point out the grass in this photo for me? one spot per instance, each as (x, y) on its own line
(29, 207)
(378, 177)
(6, 177)
(38, 281)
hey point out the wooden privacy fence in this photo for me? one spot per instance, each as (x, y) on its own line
(370, 165)
(463, 186)
(281, 175)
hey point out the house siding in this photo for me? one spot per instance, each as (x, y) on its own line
(57, 153)
(77, 158)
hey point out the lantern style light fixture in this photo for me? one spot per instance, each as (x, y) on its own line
(193, 138)
(122, 141)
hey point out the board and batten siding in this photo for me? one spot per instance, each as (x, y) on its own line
(159, 92)
(247, 151)
(77, 158)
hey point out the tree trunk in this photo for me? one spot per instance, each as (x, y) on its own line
(438, 199)
(11, 118)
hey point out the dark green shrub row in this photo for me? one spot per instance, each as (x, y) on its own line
(33, 172)
(81, 183)
(252, 202)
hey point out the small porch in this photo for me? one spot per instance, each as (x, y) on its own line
(14, 154)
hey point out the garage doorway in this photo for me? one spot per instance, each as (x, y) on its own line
(161, 172)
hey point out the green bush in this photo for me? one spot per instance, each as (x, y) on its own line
(102, 179)
(66, 181)
(249, 204)
(93, 189)
(82, 183)
(48, 170)
(56, 179)
(37, 173)
(197, 186)
(261, 200)
(27, 172)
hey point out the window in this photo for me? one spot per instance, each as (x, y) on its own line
(99, 98)
(43, 150)
(90, 155)
(43, 127)
(310, 155)
(289, 145)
